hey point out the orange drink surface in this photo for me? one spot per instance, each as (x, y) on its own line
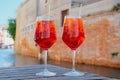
(73, 33)
(45, 34)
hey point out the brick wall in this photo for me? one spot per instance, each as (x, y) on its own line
(101, 43)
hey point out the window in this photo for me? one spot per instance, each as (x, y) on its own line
(64, 13)
(46, 1)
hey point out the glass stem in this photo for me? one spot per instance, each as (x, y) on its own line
(73, 59)
(45, 59)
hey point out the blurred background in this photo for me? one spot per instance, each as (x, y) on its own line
(99, 53)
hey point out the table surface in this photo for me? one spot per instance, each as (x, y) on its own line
(28, 73)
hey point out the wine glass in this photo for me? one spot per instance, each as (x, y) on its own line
(45, 37)
(73, 36)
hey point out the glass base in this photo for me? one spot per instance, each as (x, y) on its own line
(74, 73)
(46, 73)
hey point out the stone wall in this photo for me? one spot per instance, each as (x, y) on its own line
(24, 42)
(102, 32)
(101, 45)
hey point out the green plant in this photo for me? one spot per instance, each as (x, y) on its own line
(118, 5)
(116, 8)
(12, 28)
(114, 54)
